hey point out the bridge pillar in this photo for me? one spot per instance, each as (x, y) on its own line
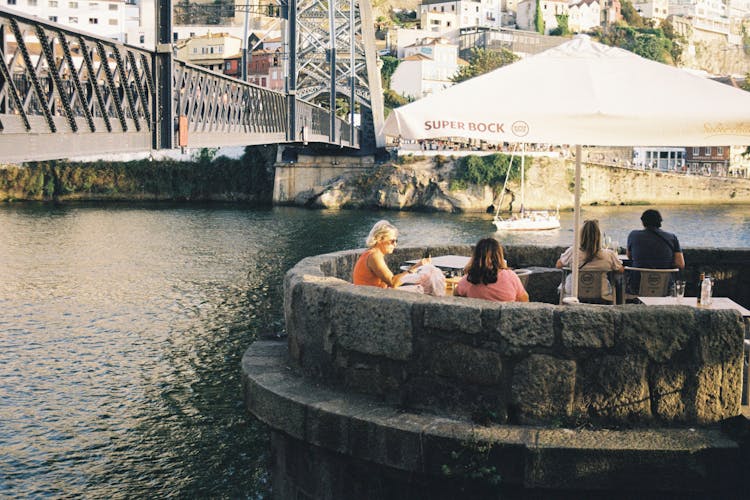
(296, 182)
(163, 113)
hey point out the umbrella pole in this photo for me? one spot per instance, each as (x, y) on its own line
(576, 220)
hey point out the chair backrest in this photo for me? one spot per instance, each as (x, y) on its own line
(653, 282)
(590, 286)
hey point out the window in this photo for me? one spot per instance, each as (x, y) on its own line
(53, 19)
(719, 150)
(11, 2)
(73, 20)
(52, 3)
(73, 5)
(113, 22)
(32, 3)
(174, 36)
(113, 6)
(93, 20)
(708, 151)
(142, 39)
(227, 65)
(696, 151)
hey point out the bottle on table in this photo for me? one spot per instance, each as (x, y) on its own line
(700, 288)
(706, 291)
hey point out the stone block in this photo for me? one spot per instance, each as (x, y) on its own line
(382, 325)
(543, 388)
(717, 391)
(658, 332)
(668, 390)
(456, 316)
(615, 389)
(587, 327)
(721, 335)
(522, 326)
(465, 363)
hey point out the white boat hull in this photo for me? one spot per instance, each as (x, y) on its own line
(531, 222)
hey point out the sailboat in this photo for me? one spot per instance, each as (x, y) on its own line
(525, 220)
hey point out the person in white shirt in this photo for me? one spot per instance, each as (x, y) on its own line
(591, 256)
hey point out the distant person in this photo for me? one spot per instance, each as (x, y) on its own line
(591, 257)
(489, 277)
(653, 248)
(371, 269)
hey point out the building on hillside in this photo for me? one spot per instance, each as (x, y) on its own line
(584, 15)
(708, 160)
(406, 37)
(104, 18)
(526, 12)
(665, 159)
(209, 51)
(611, 11)
(265, 69)
(652, 9)
(739, 163)
(706, 15)
(426, 68)
(468, 13)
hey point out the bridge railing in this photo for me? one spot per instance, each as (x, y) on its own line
(223, 111)
(64, 92)
(68, 93)
(314, 125)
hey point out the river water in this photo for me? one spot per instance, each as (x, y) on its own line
(122, 327)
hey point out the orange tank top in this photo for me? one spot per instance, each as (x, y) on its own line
(362, 275)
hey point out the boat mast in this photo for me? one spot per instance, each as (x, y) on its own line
(505, 184)
(523, 155)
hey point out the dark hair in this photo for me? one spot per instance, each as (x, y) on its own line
(651, 218)
(486, 262)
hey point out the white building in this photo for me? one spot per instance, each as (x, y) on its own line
(706, 15)
(104, 18)
(652, 9)
(526, 11)
(584, 15)
(426, 68)
(461, 13)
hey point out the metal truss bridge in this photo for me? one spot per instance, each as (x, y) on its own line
(67, 93)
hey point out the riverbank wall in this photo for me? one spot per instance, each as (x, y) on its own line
(426, 184)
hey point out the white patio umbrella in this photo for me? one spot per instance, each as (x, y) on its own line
(582, 92)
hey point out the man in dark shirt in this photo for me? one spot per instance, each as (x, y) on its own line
(653, 248)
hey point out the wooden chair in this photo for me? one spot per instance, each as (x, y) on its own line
(591, 286)
(653, 282)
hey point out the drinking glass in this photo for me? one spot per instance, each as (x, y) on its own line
(607, 242)
(679, 288)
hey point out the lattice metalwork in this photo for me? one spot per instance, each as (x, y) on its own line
(57, 82)
(68, 93)
(334, 62)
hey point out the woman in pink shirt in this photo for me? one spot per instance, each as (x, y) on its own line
(489, 277)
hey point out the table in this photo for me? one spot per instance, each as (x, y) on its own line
(453, 265)
(717, 303)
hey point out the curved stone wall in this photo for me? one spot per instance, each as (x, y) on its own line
(534, 363)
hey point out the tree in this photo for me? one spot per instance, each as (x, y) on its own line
(630, 15)
(390, 64)
(562, 26)
(745, 85)
(538, 19)
(482, 61)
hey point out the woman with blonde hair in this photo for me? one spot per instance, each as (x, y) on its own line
(489, 277)
(591, 256)
(371, 269)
